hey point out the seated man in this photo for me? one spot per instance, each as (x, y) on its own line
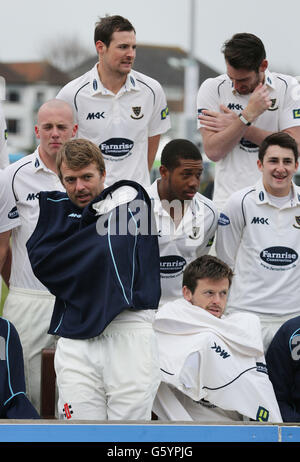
(283, 362)
(212, 365)
(89, 251)
(14, 403)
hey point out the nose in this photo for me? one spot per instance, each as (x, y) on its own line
(217, 298)
(194, 182)
(236, 85)
(131, 52)
(79, 185)
(55, 132)
(280, 166)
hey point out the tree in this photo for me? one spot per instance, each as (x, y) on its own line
(66, 53)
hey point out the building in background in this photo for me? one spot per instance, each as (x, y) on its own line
(167, 65)
(30, 84)
(27, 86)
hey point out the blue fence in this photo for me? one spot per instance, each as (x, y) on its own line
(102, 432)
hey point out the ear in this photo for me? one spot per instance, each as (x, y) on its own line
(187, 294)
(263, 66)
(36, 129)
(75, 128)
(100, 46)
(163, 171)
(259, 165)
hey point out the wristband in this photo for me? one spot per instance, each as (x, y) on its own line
(245, 121)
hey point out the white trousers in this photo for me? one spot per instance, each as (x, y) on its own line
(30, 311)
(269, 327)
(114, 376)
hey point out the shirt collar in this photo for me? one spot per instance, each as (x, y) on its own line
(96, 86)
(262, 197)
(154, 196)
(38, 164)
(191, 205)
(269, 81)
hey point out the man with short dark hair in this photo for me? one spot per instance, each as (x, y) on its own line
(237, 110)
(122, 111)
(212, 365)
(95, 251)
(186, 220)
(258, 237)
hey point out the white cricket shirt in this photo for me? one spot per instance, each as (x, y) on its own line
(238, 168)
(23, 180)
(3, 141)
(180, 245)
(121, 123)
(261, 243)
(9, 217)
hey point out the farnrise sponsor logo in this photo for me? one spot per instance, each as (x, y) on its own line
(279, 256)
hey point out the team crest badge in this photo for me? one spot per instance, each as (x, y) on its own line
(195, 232)
(273, 106)
(298, 222)
(137, 113)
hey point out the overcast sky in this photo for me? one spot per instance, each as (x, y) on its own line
(28, 26)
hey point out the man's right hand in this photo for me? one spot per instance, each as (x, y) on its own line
(258, 103)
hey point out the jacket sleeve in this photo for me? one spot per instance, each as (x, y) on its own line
(282, 374)
(14, 402)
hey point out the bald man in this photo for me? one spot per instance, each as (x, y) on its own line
(29, 305)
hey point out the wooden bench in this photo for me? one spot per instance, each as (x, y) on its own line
(48, 387)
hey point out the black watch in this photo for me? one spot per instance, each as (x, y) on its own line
(245, 121)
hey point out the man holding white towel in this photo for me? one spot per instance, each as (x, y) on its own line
(212, 364)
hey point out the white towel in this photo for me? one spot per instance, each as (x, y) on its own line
(220, 360)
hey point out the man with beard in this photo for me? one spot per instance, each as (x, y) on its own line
(90, 248)
(122, 111)
(237, 110)
(212, 365)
